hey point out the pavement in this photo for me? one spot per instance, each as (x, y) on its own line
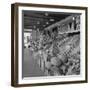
(30, 66)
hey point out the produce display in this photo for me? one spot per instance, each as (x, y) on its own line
(57, 49)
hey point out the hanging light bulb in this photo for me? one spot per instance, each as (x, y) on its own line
(34, 27)
(51, 19)
(46, 14)
(73, 18)
(38, 22)
(47, 22)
